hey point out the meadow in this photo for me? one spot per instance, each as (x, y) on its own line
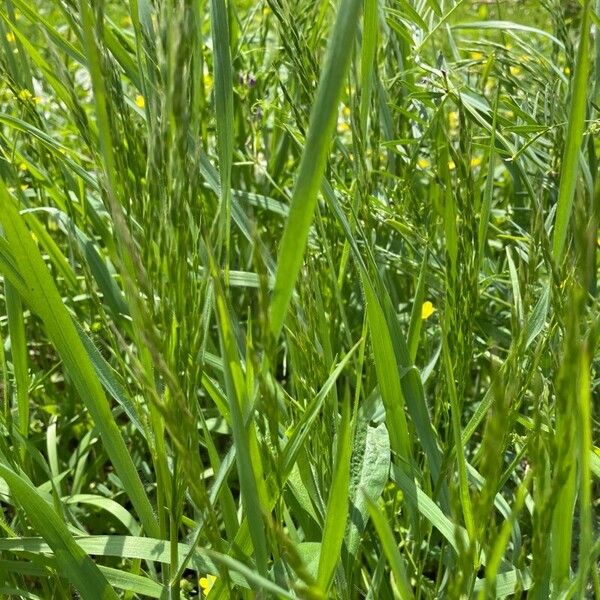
(299, 299)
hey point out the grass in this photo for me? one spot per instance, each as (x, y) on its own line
(299, 299)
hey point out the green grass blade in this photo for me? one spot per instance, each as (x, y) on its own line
(44, 299)
(417, 498)
(238, 406)
(314, 158)
(76, 565)
(414, 329)
(390, 548)
(574, 137)
(224, 111)
(388, 377)
(367, 60)
(18, 353)
(337, 505)
(584, 413)
(463, 482)
(203, 561)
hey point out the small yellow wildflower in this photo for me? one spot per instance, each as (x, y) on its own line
(24, 187)
(25, 95)
(427, 310)
(453, 119)
(514, 71)
(451, 165)
(23, 166)
(343, 127)
(139, 101)
(423, 163)
(206, 583)
(346, 111)
(476, 161)
(567, 71)
(10, 37)
(476, 55)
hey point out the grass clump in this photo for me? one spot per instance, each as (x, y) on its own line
(299, 299)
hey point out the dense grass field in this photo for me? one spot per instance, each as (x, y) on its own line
(299, 299)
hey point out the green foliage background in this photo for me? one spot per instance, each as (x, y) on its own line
(299, 299)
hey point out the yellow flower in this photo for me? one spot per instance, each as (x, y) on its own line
(451, 165)
(423, 163)
(343, 127)
(476, 55)
(139, 101)
(453, 119)
(206, 583)
(10, 37)
(346, 111)
(25, 95)
(427, 310)
(23, 166)
(475, 162)
(567, 71)
(515, 71)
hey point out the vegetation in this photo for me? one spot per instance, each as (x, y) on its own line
(299, 299)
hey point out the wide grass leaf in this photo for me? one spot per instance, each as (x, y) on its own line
(73, 561)
(314, 158)
(39, 291)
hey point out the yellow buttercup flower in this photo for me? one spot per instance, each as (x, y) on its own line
(139, 101)
(423, 163)
(475, 162)
(451, 165)
(514, 71)
(427, 310)
(206, 583)
(453, 119)
(10, 37)
(23, 166)
(343, 127)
